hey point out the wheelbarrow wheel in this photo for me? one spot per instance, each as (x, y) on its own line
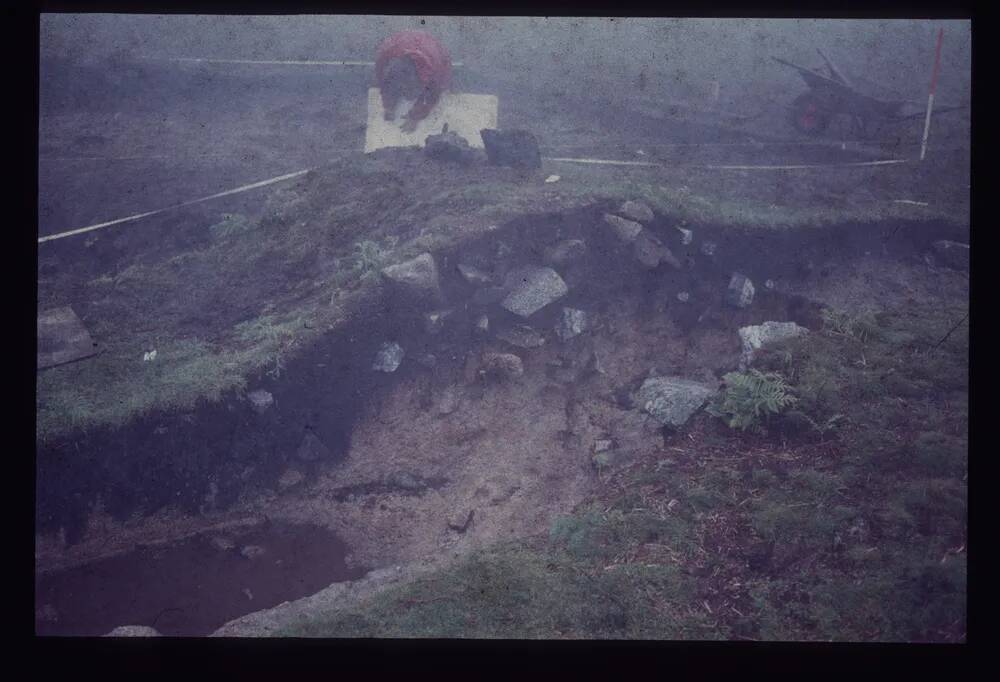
(808, 115)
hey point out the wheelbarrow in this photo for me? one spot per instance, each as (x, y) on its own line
(832, 95)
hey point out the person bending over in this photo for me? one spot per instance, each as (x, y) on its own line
(412, 65)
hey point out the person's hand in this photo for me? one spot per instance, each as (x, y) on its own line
(409, 125)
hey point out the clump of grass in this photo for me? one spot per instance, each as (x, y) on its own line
(370, 257)
(231, 225)
(863, 327)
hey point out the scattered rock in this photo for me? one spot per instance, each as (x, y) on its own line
(769, 284)
(516, 148)
(535, 288)
(434, 321)
(708, 248)
(672, 401)
(552, 178)
(290, 479)
(133, 631)
(449, 146)
(566, 251)
(625, 230)
(260, 400)
(252, 551)
(636, 210)
(683, 296)
(417, 276)
(488, 295)
(952, 254)
(504, 365)
(522, 336)
(482, 325)
(389, 357)
(474, 275)
(573, 323)
(756, 336)
(459, 522)
(687, 236)
(312, 448)
(651, 251)
(740, 292)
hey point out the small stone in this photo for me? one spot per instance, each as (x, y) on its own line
(252, 551)
(133, 631)
(449, 402)
(687, 236)
(449, 146)
(625, 230)
(290, 479)
(603, 445)
(573, 323)
(474, 275)
(636, 210)
(482, 325)
(389, 357)
(954, 255)
(740, 292)
(769, 284)
(418, 276)
(708, 248)
(552, 178)
(312, 448)
(566, 251)
(533, 288)
(459, 522)
(650, 251)
(756, 336)
(683, 296)
(504, 365)
(434, 321)
(522, 336)
(260, 400)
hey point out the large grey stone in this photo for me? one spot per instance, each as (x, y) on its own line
(650, 251)
(755, 337)
(953, 254)
(625, 230)
(672, 401)
(533, 288)
(418, 276)
(740, 292)
(636, 210)
(389, 357)
(515, 148)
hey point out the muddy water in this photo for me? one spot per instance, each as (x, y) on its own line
(192, 587)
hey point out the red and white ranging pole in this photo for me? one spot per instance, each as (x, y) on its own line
(930, 96)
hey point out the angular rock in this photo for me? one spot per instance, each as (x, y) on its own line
(290, 479)
(449, 146)
(533, 289)
(515, 148)
(573, 323)
(260, 400)
(389, 357)
(625, 230)
(650, 251)
(756, 336)
(504, 365)
(474, 275)
(636, 210)
(566, 251)
(683, 296)
(522, 336)
(953, 254)
(434, 321)
(672, 401)
(482, 325)
(449, 401)
(134, 631)
(740, 292)
(417, 276)
(312, 448)
(460, 521)
(687, 236)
